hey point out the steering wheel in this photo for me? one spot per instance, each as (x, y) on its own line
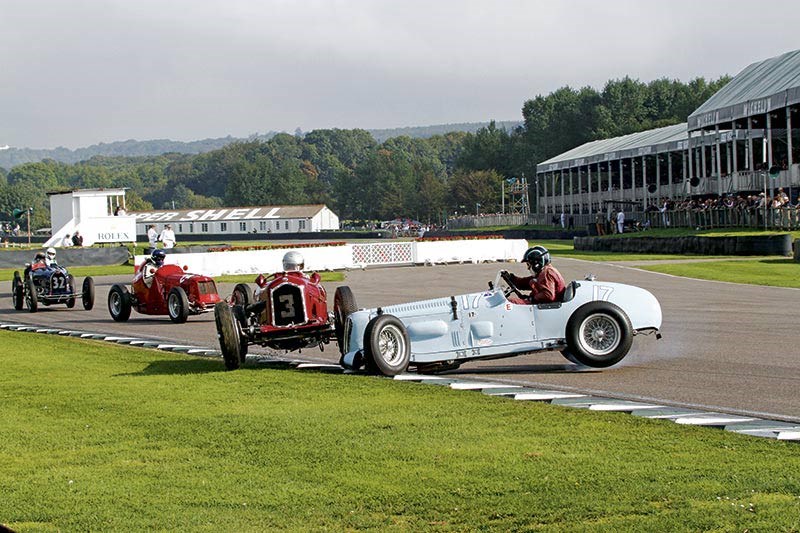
(511, 288)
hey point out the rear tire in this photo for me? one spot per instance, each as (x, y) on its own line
(119, 303)
(31, 298)
(228, 333)
(241, 294)
(87, 294)
(17, 292)
(387, 346)
(599, 334)
(344, 304)
(178, 305)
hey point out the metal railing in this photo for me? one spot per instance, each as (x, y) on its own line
(782, 218)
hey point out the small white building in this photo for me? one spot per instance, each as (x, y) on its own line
(241, 220)
(91, 213)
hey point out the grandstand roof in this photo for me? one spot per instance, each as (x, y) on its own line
(761, 87)
(667, 139)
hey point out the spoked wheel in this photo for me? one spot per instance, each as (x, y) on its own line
(87, 294)
(31, 298)
(387, 346)
(178, 305)
(17, 292)
(228, 334)
(599, 334)
(119, 303)
(344, 304)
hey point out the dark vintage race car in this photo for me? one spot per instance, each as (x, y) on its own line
(167, 290)
(48, 285)
(289, 312)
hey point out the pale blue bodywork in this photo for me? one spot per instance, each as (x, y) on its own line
(485, 324)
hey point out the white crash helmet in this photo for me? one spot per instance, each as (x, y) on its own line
(293, 261)
(51, 254)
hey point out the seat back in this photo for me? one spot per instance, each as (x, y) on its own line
(569, 291)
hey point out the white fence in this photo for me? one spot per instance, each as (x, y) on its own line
(349, 256)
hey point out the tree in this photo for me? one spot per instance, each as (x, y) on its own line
(468, 188)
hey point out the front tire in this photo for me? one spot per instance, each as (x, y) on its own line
(178, 305)
(228, 333)
(71, 281)
(344, 304)
(599, 334)
(87, 294)
(387, 346)
(241, 317)
(119, 303)
(31, 298)
(17, 292)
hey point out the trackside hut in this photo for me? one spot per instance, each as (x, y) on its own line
(241, 220)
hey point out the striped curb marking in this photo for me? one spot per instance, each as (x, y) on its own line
(756, 427)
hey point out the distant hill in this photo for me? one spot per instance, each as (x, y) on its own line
(440, 129)
(11, 157)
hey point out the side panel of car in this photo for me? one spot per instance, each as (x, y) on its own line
(463, 327)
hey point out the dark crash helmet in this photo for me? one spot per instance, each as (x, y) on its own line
(536, 257)
(158, 257)
(39, 257)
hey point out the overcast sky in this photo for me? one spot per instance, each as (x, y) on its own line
(75, 73)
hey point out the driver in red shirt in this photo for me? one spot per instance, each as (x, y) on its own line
(545, 282)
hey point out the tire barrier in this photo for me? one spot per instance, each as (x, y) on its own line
(69, 257)
(691, 245)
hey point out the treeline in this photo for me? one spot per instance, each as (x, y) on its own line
(362, 178)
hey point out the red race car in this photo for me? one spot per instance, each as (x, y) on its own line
(164, 290)
(288, 311)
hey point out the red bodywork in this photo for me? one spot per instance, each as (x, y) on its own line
(201, 291)
(296, 312)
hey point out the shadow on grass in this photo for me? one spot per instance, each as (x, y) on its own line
(177, 367)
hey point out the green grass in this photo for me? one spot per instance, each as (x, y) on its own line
(99, 437)
(772, 272)
(565, 248)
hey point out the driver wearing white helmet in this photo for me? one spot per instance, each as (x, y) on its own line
(50, 257)
(292, 262)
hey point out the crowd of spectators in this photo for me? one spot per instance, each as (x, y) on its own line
(742, 210)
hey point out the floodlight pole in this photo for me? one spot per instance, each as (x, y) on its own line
(28, 212)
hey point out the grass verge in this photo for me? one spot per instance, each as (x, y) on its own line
(772, 272)
(99, 437)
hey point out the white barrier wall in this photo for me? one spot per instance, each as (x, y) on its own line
(350, 256)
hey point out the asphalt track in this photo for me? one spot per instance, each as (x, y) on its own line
(725, 347)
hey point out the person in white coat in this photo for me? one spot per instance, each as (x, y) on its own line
(620, 221)
(167, 237)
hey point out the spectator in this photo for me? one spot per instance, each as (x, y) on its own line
(571, 222)
(167, 237)
(120, 211)
(600, 223)
(152, 238)
(66, 241)
(563, 220)
(77, 239)
(620, 221)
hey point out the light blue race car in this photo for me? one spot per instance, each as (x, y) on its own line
(593, 325)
